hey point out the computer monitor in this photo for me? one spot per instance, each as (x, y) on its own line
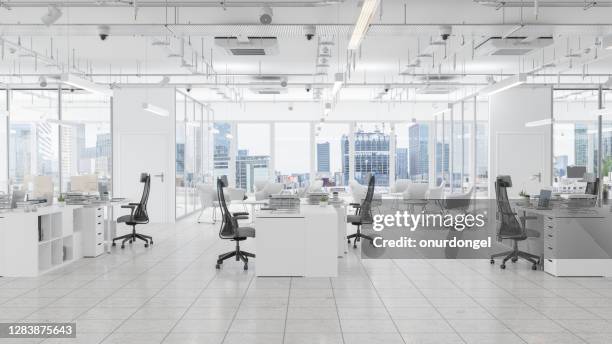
(576, 171)
(544, 200)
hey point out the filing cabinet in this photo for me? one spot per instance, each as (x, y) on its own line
(90, 222)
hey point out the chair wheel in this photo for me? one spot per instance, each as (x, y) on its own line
(151, 242)
(349, 241)
(503, 266)
(146, 245)
(492, 261)
(122, 246)
(246, 266)
(354, 245)
(130, 241)
(534, 267)
(218, 266)
(114, 244)
(514, 260)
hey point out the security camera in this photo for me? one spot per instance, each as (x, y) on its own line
(290, 108)
(42, 81)
(103, 31)
(265, 17)
(188, 88)
(283, 83)
(310, 31)
(308, 87)
(387, 88)
(445, 31)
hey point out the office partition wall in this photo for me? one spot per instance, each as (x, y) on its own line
(34, 137)
(85, 137)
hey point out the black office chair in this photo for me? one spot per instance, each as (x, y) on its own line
(510, 226)
(363, 214)
(230, 230)
(138, 215)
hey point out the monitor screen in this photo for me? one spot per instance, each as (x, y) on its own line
(576, 171)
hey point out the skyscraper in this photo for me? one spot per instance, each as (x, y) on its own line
(371, 157)
(250, 168)
(221, 149)
(323, 157)
(581, 145)
(401, 163)
(418, 140)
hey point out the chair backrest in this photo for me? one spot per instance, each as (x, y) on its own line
(260, 185)
(141, 211)
(507, 224)
(235, 194)
(365, 210)
(416, 191)
(273, 188)
(229, 225)
(207, 195)
(437, 192)
(316, 186)
(401, 185)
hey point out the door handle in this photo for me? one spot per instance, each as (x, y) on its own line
(161, 175)
(537, 176)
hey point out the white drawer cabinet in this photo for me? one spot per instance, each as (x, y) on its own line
(90, 222)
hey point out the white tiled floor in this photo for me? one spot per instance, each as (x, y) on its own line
(171, 293)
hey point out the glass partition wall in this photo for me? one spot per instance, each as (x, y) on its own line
(193, 135)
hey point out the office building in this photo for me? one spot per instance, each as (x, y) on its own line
(401, 163)
(306, 172)
(418, 138)
(323, 158)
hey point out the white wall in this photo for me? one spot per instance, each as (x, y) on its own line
(130, 120)
(515, 149)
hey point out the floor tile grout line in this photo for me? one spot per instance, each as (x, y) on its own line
(337, 310)
(426, 298)
(378, 295)
(287, 309)
(130, 259)
(151, 267)
(237, 309)
(478, 303)
(528, 305)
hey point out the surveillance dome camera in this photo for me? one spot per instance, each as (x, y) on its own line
(445, 32)
(283, 83)
(308, 87)
(103, 31)
(42, 81)
(387, 88)
(310, 31)
(188, 88)
(266, 15)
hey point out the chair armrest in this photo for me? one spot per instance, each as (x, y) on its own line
(129, 206)
(529, 217)
(355, 205)
(241, 217)
(133, 203)
(240, 213)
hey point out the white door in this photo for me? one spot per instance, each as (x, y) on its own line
(522, 157)
(148, 153)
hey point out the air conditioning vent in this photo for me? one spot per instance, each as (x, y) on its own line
(435, 90)
(251, 46)
(248, 52)
(512, 46)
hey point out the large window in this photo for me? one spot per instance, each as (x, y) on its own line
(292, 153)
(85, 138)
(4, 134)
(372, 152)
(33, 138)
(253, 154)
(331, 152)
(222, 141)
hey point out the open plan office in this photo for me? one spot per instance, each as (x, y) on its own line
(306, 171)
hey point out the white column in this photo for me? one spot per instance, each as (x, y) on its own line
(451, 149)
(432, 151)
(392, 155)
(232, 161)
(313, 153)
(272, 167)
(351, 151)
(473, 146)
(4, 150)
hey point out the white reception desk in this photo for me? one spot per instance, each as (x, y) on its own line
(297, 244)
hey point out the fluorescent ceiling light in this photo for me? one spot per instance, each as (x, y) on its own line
(539, 123)
(368, 9)
(155, 109)
(504, 84)
(338, 81)
(78, 82)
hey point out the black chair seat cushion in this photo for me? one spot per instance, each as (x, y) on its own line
(247, 232)
(127, 219)
(529, 233)
(354, 219)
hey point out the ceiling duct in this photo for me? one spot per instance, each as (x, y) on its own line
(252, 46)
(436, 89)
(511, 46)
(268, 90)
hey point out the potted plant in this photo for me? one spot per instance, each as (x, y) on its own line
(324, 201)
(524, 195)
(61, 201)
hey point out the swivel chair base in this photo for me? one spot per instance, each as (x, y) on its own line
(514, 255)
(239, 254)
(357, 237)
(132, 238)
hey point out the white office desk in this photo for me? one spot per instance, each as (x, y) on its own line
(576, 242)
(297, 244)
